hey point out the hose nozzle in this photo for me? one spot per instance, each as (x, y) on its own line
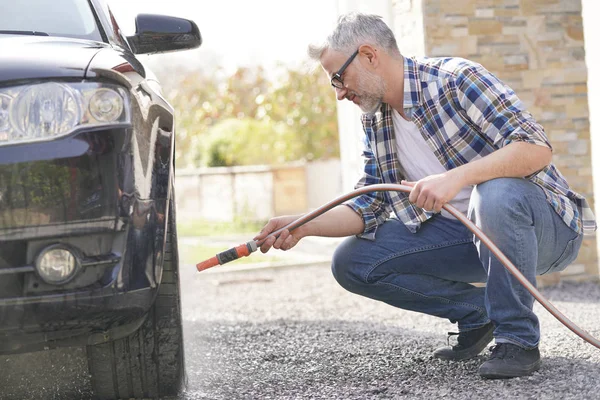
(234, 253)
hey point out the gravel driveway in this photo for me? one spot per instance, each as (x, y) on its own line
(293, 333)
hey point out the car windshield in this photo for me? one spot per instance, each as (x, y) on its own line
(70, 18)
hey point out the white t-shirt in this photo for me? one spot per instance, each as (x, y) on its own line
(418, 161)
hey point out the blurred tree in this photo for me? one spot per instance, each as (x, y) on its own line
(307, 103)
(249, 142)
(288, 119)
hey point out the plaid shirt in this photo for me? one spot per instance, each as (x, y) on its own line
(464, 113)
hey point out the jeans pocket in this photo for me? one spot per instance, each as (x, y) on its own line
(567, 257)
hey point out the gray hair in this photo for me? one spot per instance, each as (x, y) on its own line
(354, 30)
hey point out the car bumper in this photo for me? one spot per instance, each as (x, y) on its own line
(97, 193)
(71, 320)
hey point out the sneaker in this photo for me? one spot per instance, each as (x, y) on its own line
(510, 361)
(470, 343)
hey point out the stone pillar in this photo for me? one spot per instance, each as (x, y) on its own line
(537, 47)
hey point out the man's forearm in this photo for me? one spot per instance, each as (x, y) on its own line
(340, 221)
(516, 160)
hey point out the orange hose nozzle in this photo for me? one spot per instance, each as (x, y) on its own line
(234, 253)
(211, 262)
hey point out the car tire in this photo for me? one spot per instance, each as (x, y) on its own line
(150, 362)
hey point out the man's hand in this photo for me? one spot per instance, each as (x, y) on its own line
(433, 192)
(286, 239)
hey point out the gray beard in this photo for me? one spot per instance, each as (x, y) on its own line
(371, 101)
(371, 106)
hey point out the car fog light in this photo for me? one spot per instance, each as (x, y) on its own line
(106, 105)
(56, 264)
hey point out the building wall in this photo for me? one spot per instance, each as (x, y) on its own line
(537, 47)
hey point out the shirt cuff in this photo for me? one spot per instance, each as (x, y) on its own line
(368, 218)
(533, 137)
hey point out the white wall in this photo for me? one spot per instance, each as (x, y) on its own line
(351, 133)
(323, 182)
(408, 27)
(405, 17)
(591, 32)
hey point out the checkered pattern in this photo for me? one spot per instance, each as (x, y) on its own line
(464, 113)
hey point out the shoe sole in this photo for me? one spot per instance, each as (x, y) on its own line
(470, 353)
(512, 373)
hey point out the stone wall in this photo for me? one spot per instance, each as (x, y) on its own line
(537, 47)
(256, 193)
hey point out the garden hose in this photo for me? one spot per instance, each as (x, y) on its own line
(248, 248)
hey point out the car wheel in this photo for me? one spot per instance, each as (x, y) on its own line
(150, 362)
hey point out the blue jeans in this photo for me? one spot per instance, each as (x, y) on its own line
(431, 271)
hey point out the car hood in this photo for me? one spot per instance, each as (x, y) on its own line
(35, 57)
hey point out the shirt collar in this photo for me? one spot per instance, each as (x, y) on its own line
(412, 84)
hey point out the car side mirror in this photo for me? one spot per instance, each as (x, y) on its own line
(160, 34)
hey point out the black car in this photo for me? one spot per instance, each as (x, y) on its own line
(88, 245)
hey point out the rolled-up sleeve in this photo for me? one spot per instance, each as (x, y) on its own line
(373, 207)
(496, 110)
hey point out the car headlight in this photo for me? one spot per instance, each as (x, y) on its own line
(45, 111)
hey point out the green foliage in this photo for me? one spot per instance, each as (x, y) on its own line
(246, 118)
(249, 142)
(308, 104)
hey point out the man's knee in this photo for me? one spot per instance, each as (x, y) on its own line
(344, 265)
(494, 200)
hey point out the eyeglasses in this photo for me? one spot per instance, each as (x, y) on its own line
(336, 79)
